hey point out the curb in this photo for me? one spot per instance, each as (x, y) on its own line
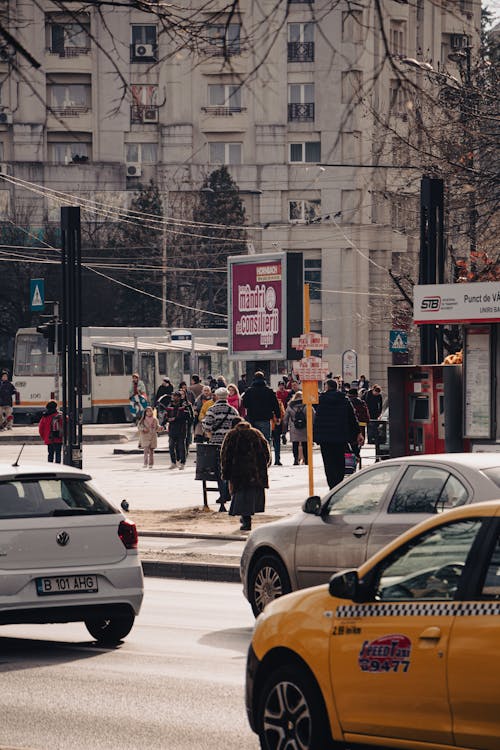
(192, 571)
(36, 440)
(192, 535)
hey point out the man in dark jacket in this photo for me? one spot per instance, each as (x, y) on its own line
(7, 391)
(261, 404)
(373, 400)
(335, 424)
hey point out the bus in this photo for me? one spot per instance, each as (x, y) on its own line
(109, 357)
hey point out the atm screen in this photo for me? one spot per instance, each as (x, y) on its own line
(419, 409)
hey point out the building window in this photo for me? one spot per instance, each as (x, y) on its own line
(397, 37)
(144, 47)
(67, 36)
(64, 151)
(224, 39)
(304, 211)
(300, 102)
(223, 98)
(397, 98)
(352, 26)
(144, 107)
(312, 276)
(70, 99)
(142, 153)
(1, 151)
(300, 42)
(310, 151)
(224, 153)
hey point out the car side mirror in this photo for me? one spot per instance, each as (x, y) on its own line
(345, 585)
(312, 505)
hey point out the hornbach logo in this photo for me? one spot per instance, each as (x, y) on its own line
(431, 303)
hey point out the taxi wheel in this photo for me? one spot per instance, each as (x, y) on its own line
(291, 712)
(268, 580)
(110, 630)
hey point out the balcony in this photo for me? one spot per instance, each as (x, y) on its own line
(300, 52)
(301, 2)
(144, 114)
(220, 50)
(69, 51)
(220, 119)
(76, 110)
(301, 112)
(221, 111)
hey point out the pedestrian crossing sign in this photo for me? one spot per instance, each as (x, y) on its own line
(398, 341)
(37, 295)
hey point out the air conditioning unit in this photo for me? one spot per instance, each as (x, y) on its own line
(144, 50)
(150, 114)
(458, 41)
(134, 169)
(5, 169)
(5, 118)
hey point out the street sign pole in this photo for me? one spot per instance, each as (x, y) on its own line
(307, 396)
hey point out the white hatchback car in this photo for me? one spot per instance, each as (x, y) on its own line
(66, 553)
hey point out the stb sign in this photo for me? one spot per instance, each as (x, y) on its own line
(257, 307)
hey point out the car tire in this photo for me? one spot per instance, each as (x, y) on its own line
(291, 711)
(109, 631)
(267, 581)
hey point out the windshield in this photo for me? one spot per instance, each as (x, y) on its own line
(32, 357)
(38, 497)
(493, 474)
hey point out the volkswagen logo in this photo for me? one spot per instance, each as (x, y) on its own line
(62, 538)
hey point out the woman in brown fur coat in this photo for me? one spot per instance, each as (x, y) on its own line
(244, 458)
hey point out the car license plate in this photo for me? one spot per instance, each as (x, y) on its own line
(80, 584)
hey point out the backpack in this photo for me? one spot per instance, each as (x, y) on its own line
(56, 427)
(299, 419)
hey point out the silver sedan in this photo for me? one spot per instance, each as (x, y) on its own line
(358, 517)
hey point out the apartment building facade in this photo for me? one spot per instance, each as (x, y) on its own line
(293, 97)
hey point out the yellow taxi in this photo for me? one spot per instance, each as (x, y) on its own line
(402, 653)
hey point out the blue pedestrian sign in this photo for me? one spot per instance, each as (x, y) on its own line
(37, 295)
(398, 342)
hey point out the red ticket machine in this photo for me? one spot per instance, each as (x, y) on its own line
(425, 409)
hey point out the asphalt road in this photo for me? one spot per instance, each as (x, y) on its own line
(176, 683)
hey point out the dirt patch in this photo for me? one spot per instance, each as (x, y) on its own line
(193, 521)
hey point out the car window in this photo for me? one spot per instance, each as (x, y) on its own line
(50, 497)
(424, 489)
(362, 494)
(491, 586)
(429, 567)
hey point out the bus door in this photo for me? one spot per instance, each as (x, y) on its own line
(147, 373)
(86, 395)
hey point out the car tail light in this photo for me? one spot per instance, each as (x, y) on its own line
(127, 532)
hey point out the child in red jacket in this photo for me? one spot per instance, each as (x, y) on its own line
(50, 428)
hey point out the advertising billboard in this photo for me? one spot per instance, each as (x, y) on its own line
(257, 306)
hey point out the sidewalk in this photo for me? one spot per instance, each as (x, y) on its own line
(178, 538)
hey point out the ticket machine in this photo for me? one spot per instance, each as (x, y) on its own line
(425, 409)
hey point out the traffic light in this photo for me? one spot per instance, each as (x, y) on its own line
(49, 332)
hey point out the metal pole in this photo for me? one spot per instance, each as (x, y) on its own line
(309, 409)
(164, 275)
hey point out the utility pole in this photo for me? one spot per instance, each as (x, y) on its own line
(431, 260)
(71, 349)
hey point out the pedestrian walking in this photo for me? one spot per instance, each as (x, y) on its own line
(50, 428)
(335, 426)
(176, 419)
(242, 383)
(261, 405)
(217, 422)
(277, 433)
(137, 397)
(196, 386)
(294, 387)
(188, 399)
(362, 415)
(148, 427)
(234, 399)
(373, 400)
(204, 401)
(295, 422)
(245, 456)
(7, 391)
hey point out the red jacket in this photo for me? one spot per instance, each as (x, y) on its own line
(45, 427)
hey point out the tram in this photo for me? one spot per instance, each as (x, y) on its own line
(109, 357)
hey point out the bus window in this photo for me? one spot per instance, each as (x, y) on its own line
(32, 357)
(162, 363)
(129, 362)
(116, 362)
(204, 366)
(85, 374)
(101, 362)
(187, 363)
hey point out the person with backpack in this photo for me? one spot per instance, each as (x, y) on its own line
(176, 418)
(362, 415)
(296, 422)
(50, 428)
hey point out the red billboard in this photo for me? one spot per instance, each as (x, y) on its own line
(257, 307)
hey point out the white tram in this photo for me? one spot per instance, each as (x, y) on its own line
(110, 356)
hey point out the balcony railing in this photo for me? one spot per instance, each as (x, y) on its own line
(219, 50)
(143, 114)
(301, 2)
(69, 51)
(301, 112)
(70, 111)
(300, 51)
(221, 111)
